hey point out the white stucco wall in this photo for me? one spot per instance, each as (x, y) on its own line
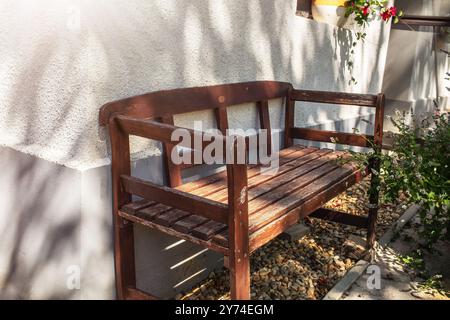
(62, 59)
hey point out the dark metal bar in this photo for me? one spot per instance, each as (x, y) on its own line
(340, 217)
(433, 21)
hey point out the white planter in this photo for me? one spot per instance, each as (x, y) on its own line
(332, 12)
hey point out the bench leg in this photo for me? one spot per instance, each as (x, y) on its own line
(374, 189)
(373, 213)
(123, 231)
(238, 238)
(373, 206)
(124, 260)
(239, 278)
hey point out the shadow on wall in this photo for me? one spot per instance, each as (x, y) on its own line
(321, 62)
(413, 80)
(137, 48)
(40, 227)
(169, 44)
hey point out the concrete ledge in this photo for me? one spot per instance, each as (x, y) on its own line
(399, 224)
(345, 283)
(360, 267)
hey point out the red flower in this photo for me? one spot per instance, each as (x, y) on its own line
(365, 11)
(393, 11)
(388, 13)
(385, 15)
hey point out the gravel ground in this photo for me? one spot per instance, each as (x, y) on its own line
(307, 268)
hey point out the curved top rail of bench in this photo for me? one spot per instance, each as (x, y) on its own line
(169, 102)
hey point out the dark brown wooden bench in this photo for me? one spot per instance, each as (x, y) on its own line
(237, 210)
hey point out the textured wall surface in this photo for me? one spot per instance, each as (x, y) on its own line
(61, 60)
(40, 225)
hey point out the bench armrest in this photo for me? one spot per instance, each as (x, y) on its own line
(177, 199)
(236, 173)
(365, 100)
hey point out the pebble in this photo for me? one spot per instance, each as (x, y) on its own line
(279, 258)
(311, 292)
(286, 292)
(264, 272)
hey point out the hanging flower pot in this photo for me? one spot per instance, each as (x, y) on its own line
(355, 15)
(329, 11)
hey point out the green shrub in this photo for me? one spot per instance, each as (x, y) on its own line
(419, 166)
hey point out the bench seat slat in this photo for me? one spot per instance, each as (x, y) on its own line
(263, 183)
(280, 188)
(252, 172)
(308, 207)
(153, 211)
(221, 238)
(305, 174)
(222, 176)
(173, 197)
(187, 224)
(137, 219)
(209, 229)
(222, 194)
(132, 207)
(170, 217)
(289, 202)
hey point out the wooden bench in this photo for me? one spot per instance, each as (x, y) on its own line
(240, 209)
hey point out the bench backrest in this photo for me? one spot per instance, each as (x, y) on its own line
(163, 105)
